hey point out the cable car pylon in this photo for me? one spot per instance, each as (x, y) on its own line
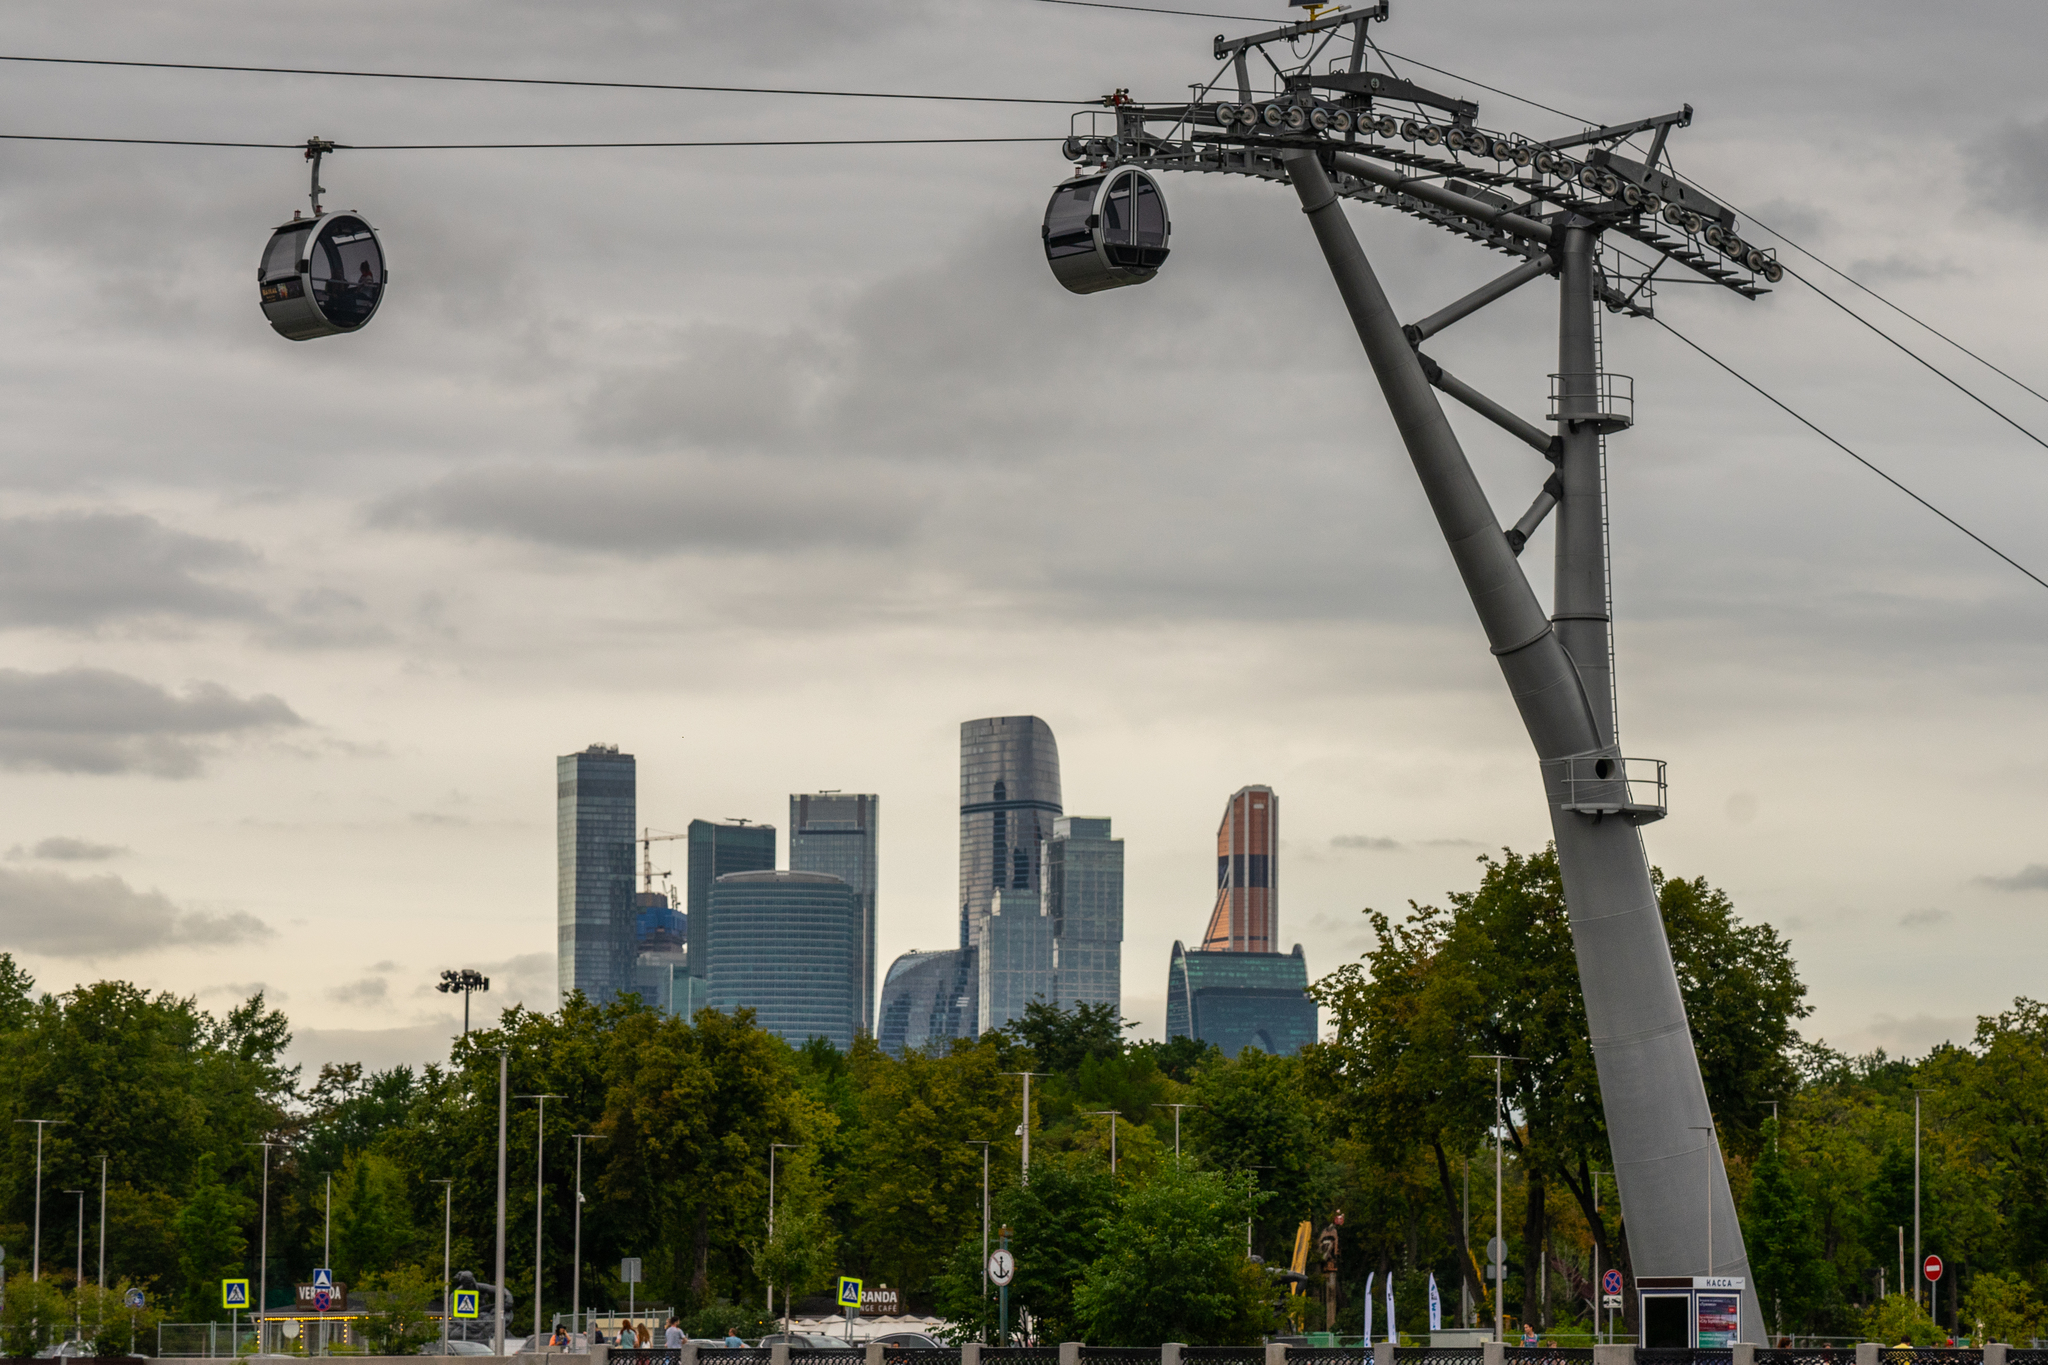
(1351, 132)
(323, 275)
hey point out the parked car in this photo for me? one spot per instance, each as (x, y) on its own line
(457, 1348)
(807, 1341)
(910, 1341)
(64, 1350)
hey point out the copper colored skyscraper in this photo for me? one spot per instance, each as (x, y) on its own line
(1247, 915)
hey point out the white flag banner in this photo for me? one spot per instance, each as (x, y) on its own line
(1436, 1306)
(1368, 1310)
(1392, 1335)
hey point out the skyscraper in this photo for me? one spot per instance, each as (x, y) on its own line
(1240, 1000)
(1013, 949)
(1235, 991)
(837, 833)
(1009, 794)
(595, 793)
(1247, 914)
(716, 850)
(1084, 904)
(928, 999)
(787, 946)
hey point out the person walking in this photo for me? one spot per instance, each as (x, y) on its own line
(733, 1342)
(673, 1337)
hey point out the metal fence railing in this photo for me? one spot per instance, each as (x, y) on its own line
(184, 1340)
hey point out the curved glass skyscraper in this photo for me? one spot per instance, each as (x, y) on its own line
(1009, 794)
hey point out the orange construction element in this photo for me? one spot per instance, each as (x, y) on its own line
(1247, 914)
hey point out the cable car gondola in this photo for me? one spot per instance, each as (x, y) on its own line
(1106, 231)
(322, 275)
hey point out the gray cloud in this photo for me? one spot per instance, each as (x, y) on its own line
(62, 848)
(2012, 168)
(1929, 918)
(84, 569)
(2032, 877)
(91, 720)
(53, 915)
(669, 506)
(1373, 842)
(369, 990)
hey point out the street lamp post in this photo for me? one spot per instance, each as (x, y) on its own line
(576, 1280)
(1176, 1108)
(1024, 1128)
(1500, 1262)
(1113, 1116)
(1917, 1259)
(1708, 1142)
(498, 1314)
(447, 1245)
(35, 1255)
(540, 1133)
(103, 1222)
(465, 983)
(78, 1275)
(773, 1148)
(263, 1248)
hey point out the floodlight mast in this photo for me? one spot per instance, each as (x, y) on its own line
(1558, 667)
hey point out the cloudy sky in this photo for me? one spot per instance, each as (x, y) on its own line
(771, 466)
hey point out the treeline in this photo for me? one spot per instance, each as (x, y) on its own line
(881, 1170)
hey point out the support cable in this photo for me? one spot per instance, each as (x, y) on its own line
(526, 146)
(539, 80)
(1810, 426)
(1931, 369)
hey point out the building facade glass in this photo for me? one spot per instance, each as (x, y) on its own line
(1014, 952)
(595, 796)
(1009, 794)
(786, 945)
(1247, 914)
(837, 833)
(1084, 904)
(928, 999)
(1240, 1000)
(716, 850)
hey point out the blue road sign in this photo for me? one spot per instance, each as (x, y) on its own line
(135, 1299)
(849, 1292)
(323, 1299)
(465, 1303)
(1610, 1282)
(323, 1279)
(234, 1293)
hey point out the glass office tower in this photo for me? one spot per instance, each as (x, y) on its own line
(836, 833)
(1240, 1000)
(595, 795)
(1009, 794)
(1084, 904)
(786, 945)
(928, 999)
(716, 850)
(1014, 950)
(1247, 914)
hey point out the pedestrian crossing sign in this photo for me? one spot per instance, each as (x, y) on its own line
(323, 1278)
(849, 1292)
(465, 1303)
(234, 1293)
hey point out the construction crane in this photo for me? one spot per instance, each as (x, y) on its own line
(648, 839)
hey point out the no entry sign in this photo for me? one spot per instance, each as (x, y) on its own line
(1932, 1268)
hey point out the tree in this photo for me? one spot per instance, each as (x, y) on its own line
(1898, 1321)
(796, 1259)
(1252, 1115)
(373, 1228)
(37, 1313)
(1172, 1268)
(1784, 1246)
(1062, 1040)
(401, 1304)
(1055, 1225)
(2002, 1308)
(211, 1247)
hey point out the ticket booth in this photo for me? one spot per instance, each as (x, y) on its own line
(1690, 1312)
